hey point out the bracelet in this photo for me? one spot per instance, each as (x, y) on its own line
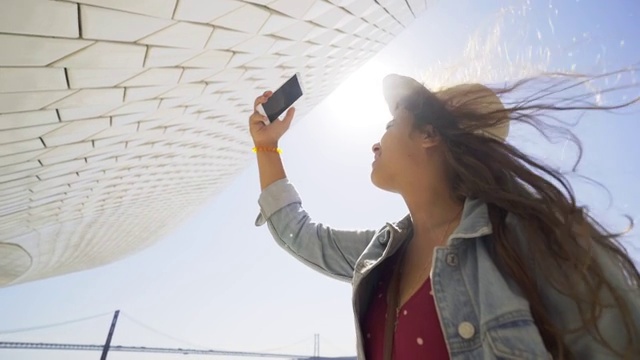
(267, 149)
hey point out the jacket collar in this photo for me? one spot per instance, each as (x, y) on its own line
(474, 222)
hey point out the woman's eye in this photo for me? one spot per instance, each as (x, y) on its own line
(388, 125)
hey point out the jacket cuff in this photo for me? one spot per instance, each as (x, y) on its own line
(274, 197)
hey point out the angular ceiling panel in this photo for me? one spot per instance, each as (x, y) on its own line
(118, 118)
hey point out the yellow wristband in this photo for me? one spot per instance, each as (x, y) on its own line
(267, 149)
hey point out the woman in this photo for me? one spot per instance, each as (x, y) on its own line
(494, 261)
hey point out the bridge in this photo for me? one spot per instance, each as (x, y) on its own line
(107, 347)
(144, 349)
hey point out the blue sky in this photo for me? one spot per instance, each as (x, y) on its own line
(219, 282)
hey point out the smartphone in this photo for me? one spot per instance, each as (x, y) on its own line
(282, 99)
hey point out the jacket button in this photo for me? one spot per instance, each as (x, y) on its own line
(452, 259)
(466, 330)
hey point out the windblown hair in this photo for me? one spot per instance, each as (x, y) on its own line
(565, 246)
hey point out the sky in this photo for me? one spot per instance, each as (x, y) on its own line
(219, 282)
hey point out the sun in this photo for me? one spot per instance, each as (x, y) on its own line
(359, 99)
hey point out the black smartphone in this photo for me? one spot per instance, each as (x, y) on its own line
(282, 99)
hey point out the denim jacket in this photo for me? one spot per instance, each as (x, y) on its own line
(482, 312)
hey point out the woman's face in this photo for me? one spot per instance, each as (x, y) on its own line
(399, 151)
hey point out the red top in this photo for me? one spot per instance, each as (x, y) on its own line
(418, 334)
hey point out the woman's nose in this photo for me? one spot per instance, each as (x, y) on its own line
(375, 148)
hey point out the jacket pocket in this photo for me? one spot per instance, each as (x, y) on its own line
(517, 339)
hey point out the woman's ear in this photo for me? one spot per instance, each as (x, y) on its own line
(429, 136)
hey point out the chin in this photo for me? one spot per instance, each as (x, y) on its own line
(373, 178)
(378, 182)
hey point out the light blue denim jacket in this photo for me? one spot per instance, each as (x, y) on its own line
(482, 312)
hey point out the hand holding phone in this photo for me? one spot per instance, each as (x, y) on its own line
(264, 133)
(282, 99)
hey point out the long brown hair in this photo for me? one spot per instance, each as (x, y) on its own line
(565, 246)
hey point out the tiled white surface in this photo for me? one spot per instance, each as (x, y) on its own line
(417, 6)
(63, 168)
(275, 23)
(19, 167)
(113, 109)
(75, 131)
(109, 55)
(85, 112)
(99, 78)
(189, 90)
(16, 261)
(89, 97)
(211, 59)
(145, 92)
(237, 19)
(296, 31)
(16, 102)
(293, 8)
(36, 51)
(20, 151)
(140, 107)
(255, 45)
(37, 17)
(22, 134)
(334, 18)
(65, 153)
(205, 11)
(158, 56)
(158, 8)
(225, 39)
(104, 24)
(25, 119)
(181, 35)
(197, 75)
(155, 76)
(241, 59)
